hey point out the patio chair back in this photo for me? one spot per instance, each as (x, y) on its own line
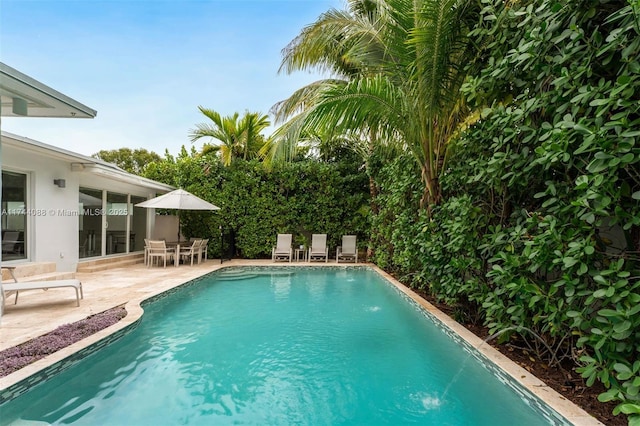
(348, 251)
(318, 249)
(283, 245)
(349, 244)
(283, 250)
(191, 251)
(204, 248)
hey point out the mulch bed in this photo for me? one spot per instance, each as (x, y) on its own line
(13, 359)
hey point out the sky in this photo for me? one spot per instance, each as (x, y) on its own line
(146, 65)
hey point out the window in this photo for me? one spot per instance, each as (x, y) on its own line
(14, 217)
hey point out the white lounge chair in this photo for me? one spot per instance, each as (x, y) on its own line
(282, 250)
(318, 249)
(348, 251)
(18, 286)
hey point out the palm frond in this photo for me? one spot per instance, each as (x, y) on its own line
(301, 99)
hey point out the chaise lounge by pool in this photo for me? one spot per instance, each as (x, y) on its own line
(282, 346)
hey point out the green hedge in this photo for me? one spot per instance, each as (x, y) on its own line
(539, 230)
(256, 204)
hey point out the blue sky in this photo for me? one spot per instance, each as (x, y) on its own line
(146, 65)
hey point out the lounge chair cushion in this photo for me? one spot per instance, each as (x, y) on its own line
(348, 251)
(318, 249)
(282, 250)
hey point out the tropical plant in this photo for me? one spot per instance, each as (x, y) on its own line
(398, 67)
(236, 137)
(563, 159)
(539, 227)
(319, 144)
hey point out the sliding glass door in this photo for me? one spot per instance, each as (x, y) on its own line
(117, 222)
(110, 217)
(90, 217)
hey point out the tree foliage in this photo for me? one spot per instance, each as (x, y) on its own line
(237, 137)
(398, 67)
(133, 161)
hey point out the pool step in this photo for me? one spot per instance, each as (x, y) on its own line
(242, 275)
(235, 275)
(103, 264)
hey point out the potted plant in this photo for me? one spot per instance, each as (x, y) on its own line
(300, 241)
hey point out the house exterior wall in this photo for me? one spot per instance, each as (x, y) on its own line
(166, 228)
(52, 221)
(56, 234)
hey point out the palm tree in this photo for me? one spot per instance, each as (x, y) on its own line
(397, 69)
(237, 137)
(288, 144)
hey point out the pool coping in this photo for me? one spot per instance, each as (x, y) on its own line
(18, 382)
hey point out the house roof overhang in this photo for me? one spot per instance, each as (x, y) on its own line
(23, 96)
(81, 163)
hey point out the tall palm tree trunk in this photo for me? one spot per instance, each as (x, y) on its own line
(431, 195)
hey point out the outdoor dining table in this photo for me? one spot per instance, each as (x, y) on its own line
(176, 245)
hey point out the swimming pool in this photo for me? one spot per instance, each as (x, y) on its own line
(279, 346)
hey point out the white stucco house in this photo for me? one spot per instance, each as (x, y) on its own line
(57, 205)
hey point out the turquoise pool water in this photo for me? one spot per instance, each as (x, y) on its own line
(316, 346)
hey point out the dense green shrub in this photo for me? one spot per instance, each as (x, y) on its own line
(394, 228)
(568, 131)
(539, 228)
(256, 204)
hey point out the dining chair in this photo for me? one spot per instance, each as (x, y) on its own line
(159, 250)
(191, 251)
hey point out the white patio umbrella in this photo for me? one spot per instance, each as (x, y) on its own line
(179, 200)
